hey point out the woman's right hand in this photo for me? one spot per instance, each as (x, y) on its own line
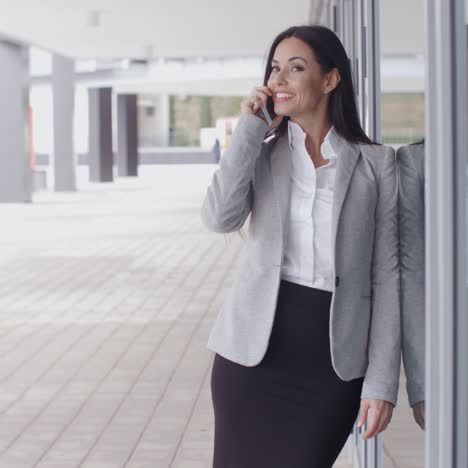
(251, 105)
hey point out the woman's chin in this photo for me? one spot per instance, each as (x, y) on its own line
(282, 112)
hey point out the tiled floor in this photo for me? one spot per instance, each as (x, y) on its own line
(107, 296)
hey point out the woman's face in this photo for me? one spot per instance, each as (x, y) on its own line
(296, 72)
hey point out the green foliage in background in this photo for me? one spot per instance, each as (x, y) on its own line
(402, 116)
(190, 113)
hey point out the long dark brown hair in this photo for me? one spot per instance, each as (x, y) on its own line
(329, 53)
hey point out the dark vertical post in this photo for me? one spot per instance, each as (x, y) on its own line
(100, 157)
(127, 135)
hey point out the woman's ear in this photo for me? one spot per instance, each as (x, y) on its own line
(333, 79)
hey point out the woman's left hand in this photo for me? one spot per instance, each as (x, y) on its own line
(419, 413)
(380, 415)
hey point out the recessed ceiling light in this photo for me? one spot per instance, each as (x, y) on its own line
(94, 18)
(148, 51)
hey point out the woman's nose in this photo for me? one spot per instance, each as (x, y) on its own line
(279, 78)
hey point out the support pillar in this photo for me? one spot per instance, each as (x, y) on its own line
(63, 95)
(127, 135)
(15, 171)
(446, 148)
(100, 157)
(163, 119)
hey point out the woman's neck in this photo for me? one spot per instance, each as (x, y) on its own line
(316, 129)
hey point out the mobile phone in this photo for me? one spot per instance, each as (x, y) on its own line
(265, 113)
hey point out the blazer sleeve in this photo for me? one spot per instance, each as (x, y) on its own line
(412, 272)
(229, 197)
(381, 380)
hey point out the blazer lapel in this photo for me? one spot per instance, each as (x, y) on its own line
(348, 154)
(280, 165)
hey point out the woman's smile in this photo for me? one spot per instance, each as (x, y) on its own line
(282, 96)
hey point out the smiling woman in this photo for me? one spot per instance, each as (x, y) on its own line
(309, 334)
(299, 85)
(308, 63)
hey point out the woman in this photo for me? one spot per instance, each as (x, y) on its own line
(310, 330)
(410, 170)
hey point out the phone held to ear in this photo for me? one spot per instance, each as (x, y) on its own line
(265, 113)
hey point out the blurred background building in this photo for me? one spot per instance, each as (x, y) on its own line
(188, 72)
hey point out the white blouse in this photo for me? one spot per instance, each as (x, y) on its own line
(308, 257)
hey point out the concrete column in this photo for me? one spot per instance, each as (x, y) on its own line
(63, 95)
(15, 171)
(100, 157)
(446, 149)
(163, 119)
(127, 135)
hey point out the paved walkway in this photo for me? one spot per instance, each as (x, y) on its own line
(107, 296)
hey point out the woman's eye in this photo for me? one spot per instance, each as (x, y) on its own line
(298, 67)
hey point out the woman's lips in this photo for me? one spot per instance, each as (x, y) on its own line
(282, 97)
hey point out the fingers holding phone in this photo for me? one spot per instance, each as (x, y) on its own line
(254, 103)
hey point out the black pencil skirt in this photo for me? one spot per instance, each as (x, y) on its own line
(291, 410)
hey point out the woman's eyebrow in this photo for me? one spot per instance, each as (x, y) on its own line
(292, 58)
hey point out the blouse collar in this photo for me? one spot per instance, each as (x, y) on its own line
(296, 138)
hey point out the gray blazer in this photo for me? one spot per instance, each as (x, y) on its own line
(410, 164)
(253, 178)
